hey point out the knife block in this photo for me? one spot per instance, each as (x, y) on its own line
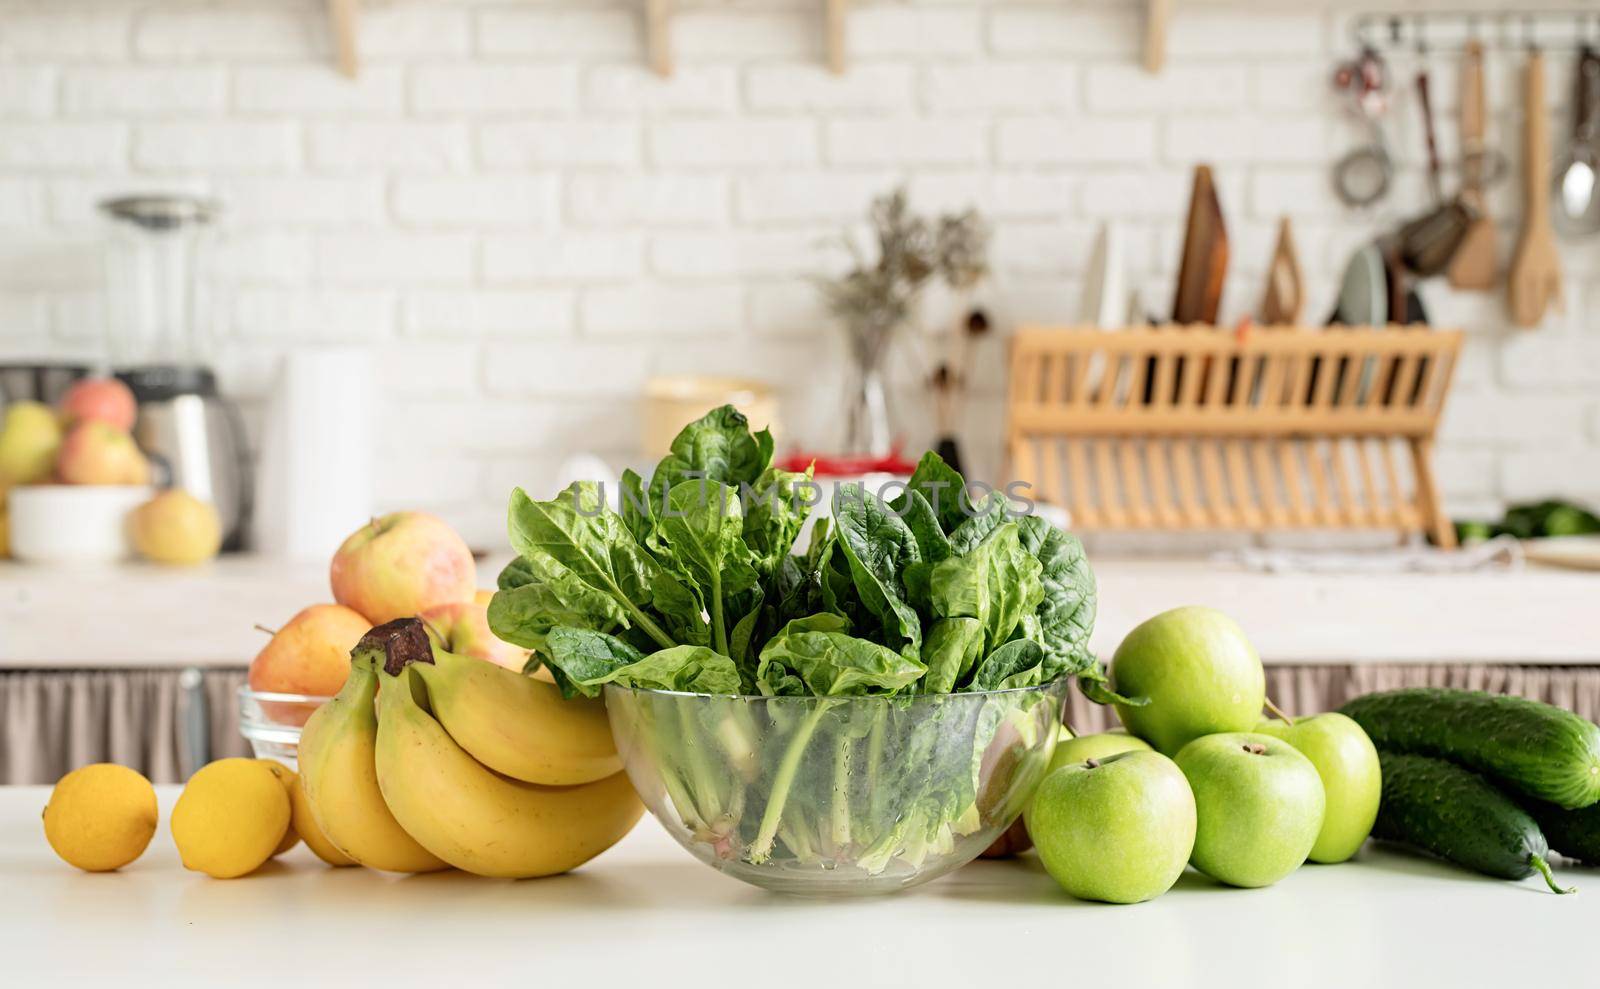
(1192, 428)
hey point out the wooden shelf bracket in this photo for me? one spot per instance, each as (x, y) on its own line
(342, 17)
(835, 14)
(658, 35)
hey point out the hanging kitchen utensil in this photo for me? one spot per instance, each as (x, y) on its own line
(1428, 242)
(1205, 255)
(1475, 263)
(1105, 288)
(1285, 299)
(1363, 175)
(1363, 291)
(1577, 199)
(1405, 305)
(1534, 282)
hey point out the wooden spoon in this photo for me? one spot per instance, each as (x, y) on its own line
(1474, 265)
(1285, 299)
(1534, 283)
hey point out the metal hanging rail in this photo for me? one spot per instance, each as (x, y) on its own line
(1450, 30)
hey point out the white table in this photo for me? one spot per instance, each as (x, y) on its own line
(146, 616)
(646, 914)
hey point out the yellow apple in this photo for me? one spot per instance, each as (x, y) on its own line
(95, 453)
(400, 565)
(176, 527)
(30, 436)
(462, 627)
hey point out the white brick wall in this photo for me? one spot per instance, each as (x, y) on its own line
(527, 223)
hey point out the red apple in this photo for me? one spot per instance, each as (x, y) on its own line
(400, 565)
(310, 654)
(104, 400)
(462, 627)
(97, 453)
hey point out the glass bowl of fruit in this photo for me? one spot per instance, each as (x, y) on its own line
(271, 722)
(831, 796)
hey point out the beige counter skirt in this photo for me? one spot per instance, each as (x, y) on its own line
(52, 722)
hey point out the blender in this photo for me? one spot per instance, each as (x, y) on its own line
(160, 345)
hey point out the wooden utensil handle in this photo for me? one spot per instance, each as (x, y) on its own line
(1427, 130)
(1472, 101)
(1536, 137)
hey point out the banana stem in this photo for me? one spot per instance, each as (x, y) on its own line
(782, 782)
(1543, 868)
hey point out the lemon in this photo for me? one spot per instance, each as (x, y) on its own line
(100, 817)
(230, 817)
(287, 777)
(306, 827)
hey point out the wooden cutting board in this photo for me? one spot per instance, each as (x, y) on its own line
(1285, 301)
(1205, 255)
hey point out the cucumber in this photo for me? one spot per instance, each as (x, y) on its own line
(1459, 816)
(1542, 751)
(1573, 833)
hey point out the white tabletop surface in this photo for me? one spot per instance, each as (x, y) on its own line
(138, 615)
(647, 914)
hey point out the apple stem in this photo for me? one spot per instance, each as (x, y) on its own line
(1267, 701)
(1538, 862)
(1069, 730)
(262, 628)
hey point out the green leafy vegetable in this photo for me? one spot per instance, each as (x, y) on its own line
(694, 583)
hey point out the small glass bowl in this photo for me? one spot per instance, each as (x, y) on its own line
(271, 722)
(829, 796)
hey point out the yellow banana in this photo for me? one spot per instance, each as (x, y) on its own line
(478, 820)
(518, 726)
(339, 774)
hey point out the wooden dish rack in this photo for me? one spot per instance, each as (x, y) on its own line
(1197, 428)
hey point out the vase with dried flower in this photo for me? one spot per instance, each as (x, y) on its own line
(878, 297)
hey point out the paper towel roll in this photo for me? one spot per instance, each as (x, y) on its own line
(316, 454)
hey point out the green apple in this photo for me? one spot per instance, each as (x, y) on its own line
(1119, 829)
(1259, 803)
(1199, 672)
(1351, 781)
(1072, 748)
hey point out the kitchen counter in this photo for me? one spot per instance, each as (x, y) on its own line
(146, 616)
(646, 913)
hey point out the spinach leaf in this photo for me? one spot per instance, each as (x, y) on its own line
(702, 532)
(877, 546)
(943, 487)
(634, 503)
(773, 516)
(683, 612)
(932, 545)
(595, 548)
(537, 595)
(716, 447)
(997, 583)
(986, 518)
(949, 651)
(693, 669)
(581, 659)
(1018, 663)
(831, 663)
(1066, 612)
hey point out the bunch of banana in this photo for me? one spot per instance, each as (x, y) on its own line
(461, 763)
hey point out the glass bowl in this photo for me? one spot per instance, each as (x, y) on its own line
(831, 796)
(271, 722)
